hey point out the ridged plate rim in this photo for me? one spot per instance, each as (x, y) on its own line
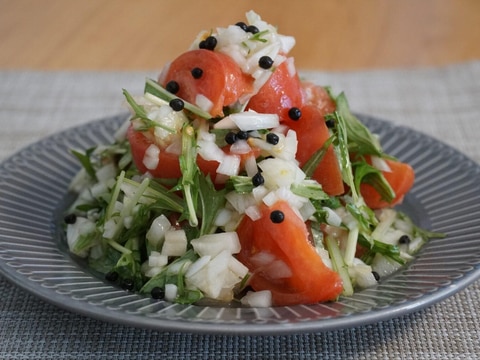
(33, 255)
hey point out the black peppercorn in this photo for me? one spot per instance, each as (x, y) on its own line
(209, 43)
(376, 275)
(404, 239)
(257, 179)
(277, 216)
(70, 219)
(294, 113)
(127, 284)
(252, 29)
(242, 25)
(197, 73)
(172, 86)
(177, 104)
(265, 62)
(330, 123)
(272, 138)
(242, 135)
(111, 276)
(157, 293)
(230, 138)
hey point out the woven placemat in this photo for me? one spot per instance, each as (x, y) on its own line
(442, 102)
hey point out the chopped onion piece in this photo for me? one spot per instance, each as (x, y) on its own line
(203, 102)
(380, 164)
(260, 299)
(251, 120)
(151, 157)
(230, 165)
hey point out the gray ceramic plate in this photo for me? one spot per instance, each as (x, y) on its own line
(33, 193)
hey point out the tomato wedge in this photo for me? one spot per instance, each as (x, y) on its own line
(279, 94)
(401, 179)
(283, 260)
(317, 96)
(168, 166)
(214, 75)
(312, 132)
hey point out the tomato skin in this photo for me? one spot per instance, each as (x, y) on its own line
(311, 280)
(222, 80)
(168, 165)
(279, 94)
(312, 132)
(317, 96)
(401, 179)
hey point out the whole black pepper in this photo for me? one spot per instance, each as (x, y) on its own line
(404, 239)
(157, 293)
(172, 86)
(294, 113)
(197, 73)
(277, 216)
(376, 275)
(252, 29)
(242, 25)
(265, 62)
(111, 276)
(330, 123)
(242, 135)
(70, 219)
(209, 43)
(127, 284)
(177, 104)
(230, 138)
(272, 138)
(258, 179)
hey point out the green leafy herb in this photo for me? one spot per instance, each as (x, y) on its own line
(154, 88)
(190, 173)
(211, 201)
(312, 163)
(310, 190)
(366, 173)
(85, 161)
(387, 250)
(141, 114)
(360, 139)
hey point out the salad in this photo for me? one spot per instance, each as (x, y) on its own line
(234, 180)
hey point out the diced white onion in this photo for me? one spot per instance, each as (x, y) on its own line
(151, 157)
(175, 243)
(208, 150)
(223, 217)
(230, 165)
(170, 292)
(280, 173)
(259, 299)
(240, 147)
(332, 217)
(251, 120)
(203, 102)
(156, 259)
(213, 244)
(253, 212)
(156, 233)
(380, 164)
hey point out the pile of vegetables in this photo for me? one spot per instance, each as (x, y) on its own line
(236, 181)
